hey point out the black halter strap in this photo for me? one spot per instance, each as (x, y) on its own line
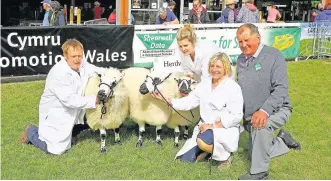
(111, 87)
(155, 88)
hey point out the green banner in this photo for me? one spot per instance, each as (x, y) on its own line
(157, 41)
(287, 40)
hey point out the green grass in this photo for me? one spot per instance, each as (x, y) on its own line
(310, 123)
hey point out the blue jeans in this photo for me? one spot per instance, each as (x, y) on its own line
(191, 155)
(33, 138)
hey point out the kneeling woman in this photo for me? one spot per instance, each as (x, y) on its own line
(221, 109)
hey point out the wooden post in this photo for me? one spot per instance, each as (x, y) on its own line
(124, 12)
(65, 12)
(71, 16)
(79, 13)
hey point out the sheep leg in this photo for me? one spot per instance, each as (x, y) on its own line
(141, 134)
(117, 136)
(158, 135)
(103, 135)
(185, 135)
(176, 136)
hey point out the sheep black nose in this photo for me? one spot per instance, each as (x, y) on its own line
(143, 89)
(184, 89)
(102, 95)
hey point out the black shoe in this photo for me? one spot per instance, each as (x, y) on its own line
(258, 176)
(288, 140)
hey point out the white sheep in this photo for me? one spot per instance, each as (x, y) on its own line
(183, 118)
(144, 109)
(114, 110)
(166, 84)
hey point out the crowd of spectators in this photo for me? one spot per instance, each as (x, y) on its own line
(247, 13)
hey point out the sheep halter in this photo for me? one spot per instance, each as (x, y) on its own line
(111, 87)
(103, 109)
(157, 82)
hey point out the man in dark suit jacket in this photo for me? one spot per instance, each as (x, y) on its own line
(262, 76)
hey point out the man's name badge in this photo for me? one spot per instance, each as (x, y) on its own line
(258, 67)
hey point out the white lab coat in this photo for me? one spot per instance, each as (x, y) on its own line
(224, 103)
(204, 50)
(62, 103)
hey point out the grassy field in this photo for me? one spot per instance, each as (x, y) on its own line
(310, 123)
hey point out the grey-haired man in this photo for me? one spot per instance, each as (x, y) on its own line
(166, 16)
(262, 76)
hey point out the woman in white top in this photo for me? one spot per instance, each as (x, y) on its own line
(221, 109)
(195, 54)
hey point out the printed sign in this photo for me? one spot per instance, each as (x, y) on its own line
(159, 48)
(33, 51)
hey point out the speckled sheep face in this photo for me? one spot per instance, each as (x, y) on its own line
(152, 79)
(108, 82)
(186, 84)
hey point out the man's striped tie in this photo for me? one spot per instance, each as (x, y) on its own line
(249, 60)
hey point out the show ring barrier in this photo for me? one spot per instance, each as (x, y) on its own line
(152, 45)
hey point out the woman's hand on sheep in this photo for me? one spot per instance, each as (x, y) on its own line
(204, 127)
(183, 94)
(158, 96)
(190, 75)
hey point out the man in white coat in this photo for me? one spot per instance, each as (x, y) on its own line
(62, 103)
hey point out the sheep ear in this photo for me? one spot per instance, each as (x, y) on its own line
(194, 82)
(177, 80)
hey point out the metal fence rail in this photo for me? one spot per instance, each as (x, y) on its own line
(321, 45)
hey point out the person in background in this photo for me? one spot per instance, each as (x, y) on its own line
(132, 20)
(166, 16)
(112, 17)
(47, 8)
(317, 11)
(273, 14)
(228, 14)
(56, 16)
(97, 10)
(248, 13)
(63, 103)
(198, 14)
(328, 7)
(172, 7)
(107, 12)
(262, 76)
(325, 15)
